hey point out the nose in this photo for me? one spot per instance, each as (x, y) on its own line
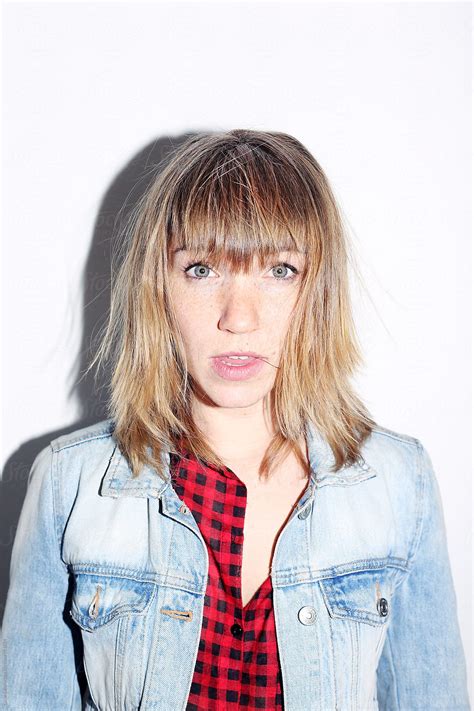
(239, 310)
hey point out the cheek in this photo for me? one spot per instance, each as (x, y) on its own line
(279, 310)
(195, 323)
(186, 308)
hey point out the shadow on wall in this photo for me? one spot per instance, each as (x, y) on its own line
(122, 195)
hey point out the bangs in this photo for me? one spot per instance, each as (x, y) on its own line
(237, 206)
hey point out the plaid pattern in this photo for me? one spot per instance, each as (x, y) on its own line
(237, 665)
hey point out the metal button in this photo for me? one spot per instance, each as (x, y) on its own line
(382, 607)
(307, 615)
(304, 513)
(236, 630)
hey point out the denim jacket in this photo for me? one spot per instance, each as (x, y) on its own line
(364, 601)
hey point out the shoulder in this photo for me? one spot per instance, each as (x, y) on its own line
(67, 464)
(395, 453)
(80, 458)
(406, 475)
(402, 455)
(394, 457)
(386, 448)
(385, 435)
(90, 440)
(84, 436)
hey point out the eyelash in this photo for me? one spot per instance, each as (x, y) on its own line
(203, 264)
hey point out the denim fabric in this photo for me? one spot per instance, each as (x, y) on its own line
(364, 601)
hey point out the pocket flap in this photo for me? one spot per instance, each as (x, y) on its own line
(363, 595)
(99, 599)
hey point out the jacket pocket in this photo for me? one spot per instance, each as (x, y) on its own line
(111, 611)
(363, 596)
(359, 606)
(100, 599)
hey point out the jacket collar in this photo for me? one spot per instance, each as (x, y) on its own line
(118, 481)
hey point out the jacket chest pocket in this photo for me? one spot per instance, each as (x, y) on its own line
(359, 607)
(111, 612)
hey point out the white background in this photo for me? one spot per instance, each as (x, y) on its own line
(380, 93)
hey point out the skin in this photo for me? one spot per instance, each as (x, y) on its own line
(224, 312)
(220, 312)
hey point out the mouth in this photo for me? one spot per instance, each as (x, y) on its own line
(239, 355)
(237, 366)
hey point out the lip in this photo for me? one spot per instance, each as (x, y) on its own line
(238, 353)
(244, 371)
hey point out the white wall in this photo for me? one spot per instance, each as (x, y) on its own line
(378, 92)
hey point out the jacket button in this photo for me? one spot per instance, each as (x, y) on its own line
(304, 513)
(307, 615)
(236, 630)
(382, 607)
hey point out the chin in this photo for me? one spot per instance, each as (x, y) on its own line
(234, 395)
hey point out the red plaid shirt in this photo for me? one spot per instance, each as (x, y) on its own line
(237, 665)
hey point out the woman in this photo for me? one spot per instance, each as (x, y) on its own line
(240, 532)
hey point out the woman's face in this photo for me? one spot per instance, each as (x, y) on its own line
(220, 313)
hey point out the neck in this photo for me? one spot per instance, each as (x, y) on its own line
(236, 434)
(240, 436)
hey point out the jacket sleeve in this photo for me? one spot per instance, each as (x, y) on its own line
(37, 659)
(422, 665)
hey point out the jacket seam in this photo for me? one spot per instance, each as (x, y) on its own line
(406, 439)
(421, 513)
(333, 662)
(54, 482)
(101, 434)
(392, 668)
(420, 519)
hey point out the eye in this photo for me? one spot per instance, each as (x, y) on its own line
(203, 266)
(284, 265)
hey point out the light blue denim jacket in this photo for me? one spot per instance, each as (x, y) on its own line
(364, 601)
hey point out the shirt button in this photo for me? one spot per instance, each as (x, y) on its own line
(382, 607)
(236, 630)
(307, 615)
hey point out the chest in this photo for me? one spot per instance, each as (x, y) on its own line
(268, 508)
(249, 512)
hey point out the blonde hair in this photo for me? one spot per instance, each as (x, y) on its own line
(230, 196)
